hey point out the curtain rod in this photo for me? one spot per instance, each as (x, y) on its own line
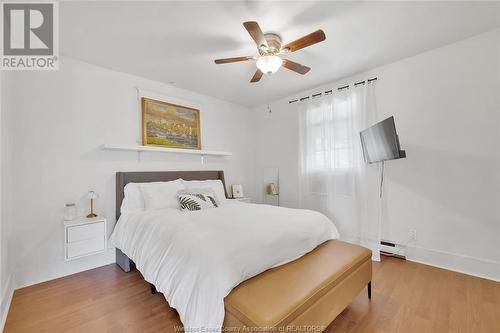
(328, 92)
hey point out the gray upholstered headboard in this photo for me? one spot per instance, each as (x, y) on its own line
(123, 178)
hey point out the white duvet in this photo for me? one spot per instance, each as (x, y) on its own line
(196, 258)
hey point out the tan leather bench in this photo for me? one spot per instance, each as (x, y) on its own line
(310, 291)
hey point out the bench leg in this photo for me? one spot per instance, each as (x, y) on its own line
(153, 288)
(370, 290)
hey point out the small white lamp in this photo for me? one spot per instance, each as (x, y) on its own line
(92, 196)
(272, 189)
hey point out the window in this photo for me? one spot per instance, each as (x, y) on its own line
(328, 134)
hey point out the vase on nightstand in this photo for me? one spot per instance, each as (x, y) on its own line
(69, 212)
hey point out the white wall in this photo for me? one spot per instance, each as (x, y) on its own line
(59, 121)
(446, 105)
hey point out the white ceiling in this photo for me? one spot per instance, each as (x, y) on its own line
(178, 41)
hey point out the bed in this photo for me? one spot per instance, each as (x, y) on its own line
(240, 265)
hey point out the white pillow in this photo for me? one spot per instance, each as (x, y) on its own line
(205, 191)
(214, 184)
(161, 195)
(133, 200)
(196, 201)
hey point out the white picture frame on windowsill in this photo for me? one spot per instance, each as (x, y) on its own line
(237, 190)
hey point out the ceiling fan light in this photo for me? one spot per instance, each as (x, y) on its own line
(269, 64)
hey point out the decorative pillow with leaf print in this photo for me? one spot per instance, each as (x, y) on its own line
(197, 201)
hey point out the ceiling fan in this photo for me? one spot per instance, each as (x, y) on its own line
(270, 47)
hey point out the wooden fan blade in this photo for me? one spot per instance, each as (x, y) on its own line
(256, 33)
(256, 77)
(293, 66)
(229, 60)
(312, 38)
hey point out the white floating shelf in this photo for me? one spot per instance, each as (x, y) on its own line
(166, 150)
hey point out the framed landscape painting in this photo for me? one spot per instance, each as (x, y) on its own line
(170, 125)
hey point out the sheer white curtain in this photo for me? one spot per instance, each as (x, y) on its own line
(334, 179)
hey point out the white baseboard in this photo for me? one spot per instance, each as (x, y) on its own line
(483, 268)
(7, 294)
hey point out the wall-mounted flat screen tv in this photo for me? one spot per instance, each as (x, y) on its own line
(380, 142)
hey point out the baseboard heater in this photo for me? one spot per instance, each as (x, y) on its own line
(392, 250)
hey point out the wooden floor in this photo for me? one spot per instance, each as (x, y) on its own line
(407, 297)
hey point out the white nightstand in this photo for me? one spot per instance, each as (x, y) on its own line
(83, 237)
(273, 199)
(247, 200)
